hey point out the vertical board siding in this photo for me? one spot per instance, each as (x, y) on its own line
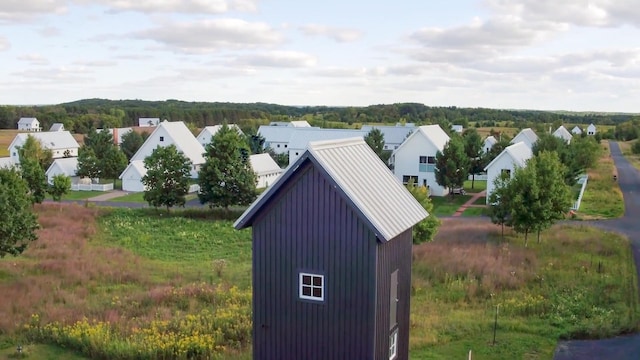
(392, 255)
(309, 227)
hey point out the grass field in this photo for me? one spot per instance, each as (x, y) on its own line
(153, 271)
(447, 206)
(79, 195)
(138, 197)
(602, 198)
(478, 186)
(6, 137)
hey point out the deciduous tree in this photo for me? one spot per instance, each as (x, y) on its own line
(499, 202)
(61, 186)
(473, 149)
(426, 229)
(167, 178)
(33, 149)
(18, 223)
(88, 163)
(226, 178)
(452, 164)
(35, 177)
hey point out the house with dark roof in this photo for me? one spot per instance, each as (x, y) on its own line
(332, 241)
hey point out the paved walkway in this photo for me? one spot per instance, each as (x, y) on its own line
(470, 203)
(109, 195)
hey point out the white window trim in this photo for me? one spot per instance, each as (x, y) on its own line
(393, 345)
(300, 287)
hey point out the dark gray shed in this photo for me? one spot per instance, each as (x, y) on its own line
(332, 258)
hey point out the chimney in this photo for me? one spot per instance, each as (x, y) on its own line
(115, 136)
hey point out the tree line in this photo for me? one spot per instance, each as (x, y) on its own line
(80, 116)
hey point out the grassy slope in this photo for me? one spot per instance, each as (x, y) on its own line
(634, 159)
(602, 198)
(6, 137)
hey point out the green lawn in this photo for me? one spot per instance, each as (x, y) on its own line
(602, 198)
(79, 195)
(138, 197)
(446, 206)
(474, 211)
(478, 186)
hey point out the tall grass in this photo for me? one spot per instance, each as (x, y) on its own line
(602, 198)
(625, 147)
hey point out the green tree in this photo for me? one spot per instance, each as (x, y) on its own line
(33, 149)
(18, 223)
(131, 143)
(499, 202)
(61, 186)
(110, 161)
(452, 164)
(255, 142)
(375, 140)
(525, 202)
(635, 148)
(99, 141)
(167, 178)
(113, 163)
(473, 148)
(426, 229)
(281, 159)
(35, 177)
(226, 178)
(583, 154)
(87, 163)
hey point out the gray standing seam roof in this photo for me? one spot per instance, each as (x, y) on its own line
(375, 193)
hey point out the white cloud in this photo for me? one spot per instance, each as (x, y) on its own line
(18, 10)
(176, 6)
(210, 35)
(62, 75)
(280, 59)
(34, 59)
(335, 33)
(95, 63)
(4, 43)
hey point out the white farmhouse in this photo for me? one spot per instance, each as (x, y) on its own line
(563, 134)
(415, 159)
(148, 122)
(526, 136)
(61, 143)
(394, 136)
(266, 169)
(208, 132)
(173, 133)
(510, 158)
(591, 129)
(300, 138)
(488, 143)
(132, 176)
(63, 166)
(28, 124)
(576, 130)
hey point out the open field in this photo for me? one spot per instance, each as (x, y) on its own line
(105, 273)
(6, 137)
(78, 195)
(634, 159)
(602, 198)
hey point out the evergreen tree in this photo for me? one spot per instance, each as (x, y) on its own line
(18, 223)
(375, 140)
(131, 143)
(452, 164)
(114, 161)
(226, 178)
(167, 178)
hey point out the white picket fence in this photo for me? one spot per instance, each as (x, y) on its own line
(582, 180)
(92, 187)
(479, 177)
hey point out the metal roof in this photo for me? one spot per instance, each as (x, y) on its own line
(57, 127)
(210, 131)
(563, 133)
(52, 140)
(277, 134)
(526, 133)
(518, 152)
(263, 164)
(137, 166)
(374, 192)
(392, 134)
(181, 137)
(301, 138)
(6, 162)
(67, 166)
(432, 133)
(27, 120)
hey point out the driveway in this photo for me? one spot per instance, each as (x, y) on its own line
(622, 347)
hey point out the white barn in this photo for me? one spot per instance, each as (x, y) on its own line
(208, 132)
(510, 158)
(29, 124)
(132, 176)
(591, 129)
(564, 134)
(266, 169)
(63, 166)
(416, 158)
(61, 143)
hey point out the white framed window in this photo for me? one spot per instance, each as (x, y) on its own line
(393, 345)
(311, 286)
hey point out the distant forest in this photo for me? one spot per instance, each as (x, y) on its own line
(80, 116)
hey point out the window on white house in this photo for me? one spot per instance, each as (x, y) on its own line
(311, 287)
(161, 138)
(285, 145)
(427, 163)
(407, 178)
(506, 172)
(393, 345)
(278, 145)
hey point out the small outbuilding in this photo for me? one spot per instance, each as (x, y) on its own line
(132, 176)
(591, 129)
(266, 169)
(63, 166)
(57, 127)
(332, 241)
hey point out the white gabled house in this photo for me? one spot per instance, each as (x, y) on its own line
(563, 134)
(512, 157)
(266, 169)
(488, 143)
(132, 176)
(29, 124)
(300, 138)
(57, 127)
(63, 166)
(61, 143)
(394, 136)
(526, 136)
(416, 158)
(148, 122)
(591, 129)
(208, 132)
(174, 133)
(576, 130)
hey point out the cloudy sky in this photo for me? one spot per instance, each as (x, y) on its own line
(581, 55)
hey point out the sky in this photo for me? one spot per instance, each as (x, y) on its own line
(575, 55)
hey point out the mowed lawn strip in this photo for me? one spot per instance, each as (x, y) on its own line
(602, 198)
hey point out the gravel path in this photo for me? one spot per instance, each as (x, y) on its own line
(622, 347)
